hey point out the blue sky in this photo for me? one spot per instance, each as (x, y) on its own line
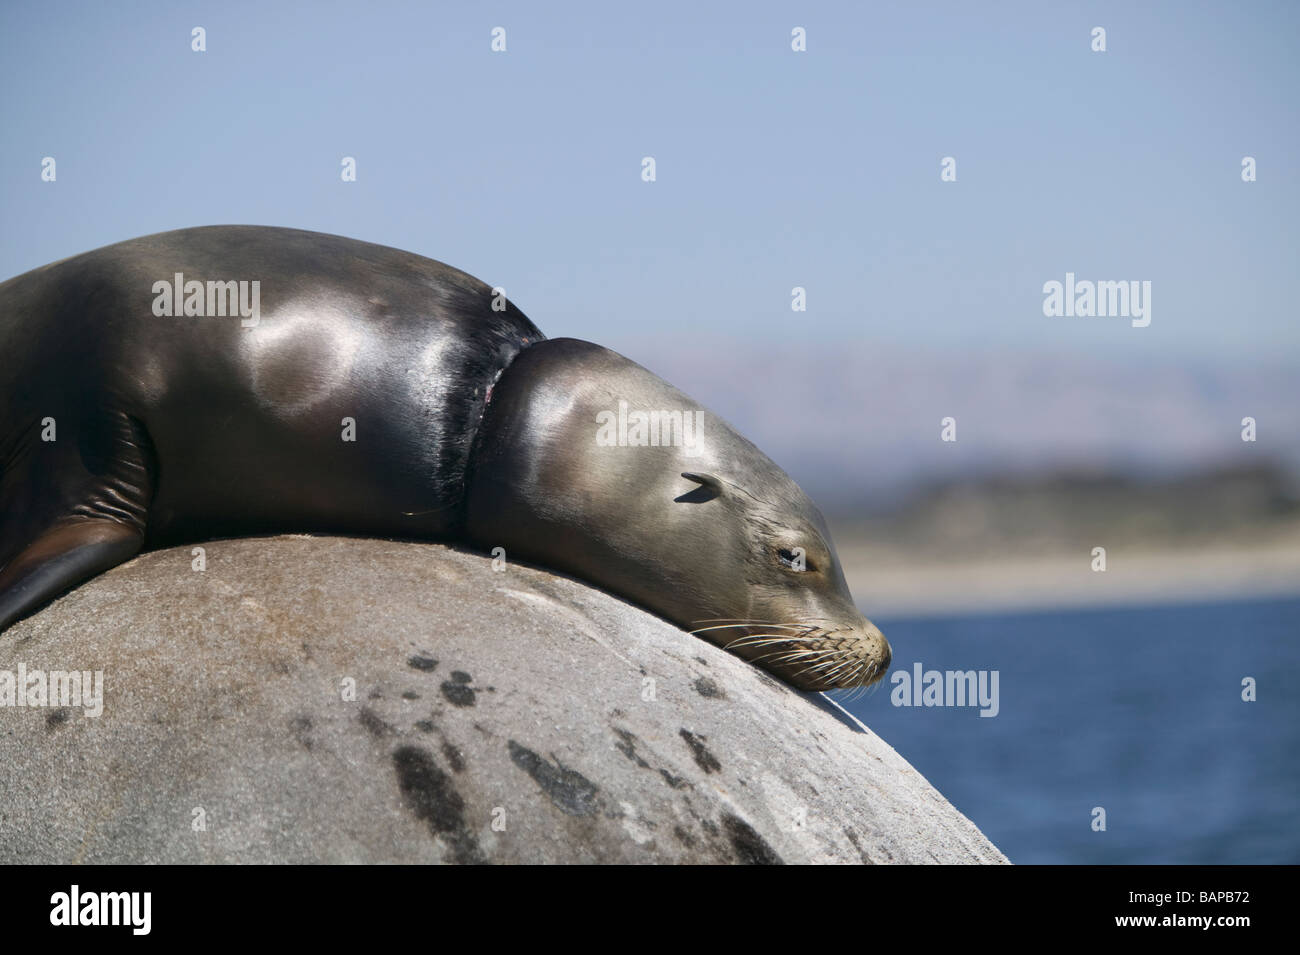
(775, 169)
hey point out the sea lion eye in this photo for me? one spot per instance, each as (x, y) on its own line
(795, 559)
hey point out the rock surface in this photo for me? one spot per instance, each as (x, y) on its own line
(311, 699)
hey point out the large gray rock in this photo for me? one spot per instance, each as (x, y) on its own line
(498, 716)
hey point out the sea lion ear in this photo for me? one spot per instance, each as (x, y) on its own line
(710, 487)
(708, 480)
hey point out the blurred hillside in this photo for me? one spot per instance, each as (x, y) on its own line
(1070, 511)
(858, 426)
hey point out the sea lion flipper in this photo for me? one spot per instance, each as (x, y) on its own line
(64, 556)
(101, 485)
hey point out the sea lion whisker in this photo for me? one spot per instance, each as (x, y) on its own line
(763, 644)
(754, 639)
(811, 668)
(826, 670)
(799, 674)
(871, 679)
(792, 637)
(732, 626)
(864, 686)
(840, 667)
(786, 655)
(780, 658)
(856, 686)
(742, 621)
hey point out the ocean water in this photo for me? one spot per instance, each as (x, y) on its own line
(1136, 710)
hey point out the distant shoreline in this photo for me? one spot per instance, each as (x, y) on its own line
(887, 583)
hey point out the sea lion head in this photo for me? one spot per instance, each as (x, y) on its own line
(777, 579)
(588, 463)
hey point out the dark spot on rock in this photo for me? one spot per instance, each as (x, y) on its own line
(56, 718)
(703, 758)
(418, 662)
(702, 660)
(708, 826)
(410, 695)
(457, 694)
(684, 837)
(569, 790)
(281, 667)
(676, 782)
(853, 838)
(454, 757)
(300, 726)
(375, 695)
(424, 726)
(431, 796)
(460, 676)
(707, 688)
(751, 849)
(374, 724)
(627, 746)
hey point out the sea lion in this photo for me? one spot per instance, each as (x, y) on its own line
(240, 380)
